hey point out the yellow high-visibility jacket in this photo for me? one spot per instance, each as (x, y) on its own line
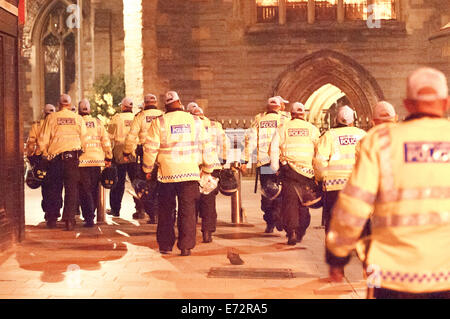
(220, 141)
(210, 132)
(403, 176)
(97, 146)
(139, 129)
(63, 131)
(335, 156)
(178, 142)
(260, 135)
(118, 129)
(33, 136)
(295, 142)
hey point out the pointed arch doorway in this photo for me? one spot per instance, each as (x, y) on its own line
(327, 79)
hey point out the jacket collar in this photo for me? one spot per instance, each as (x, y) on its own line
(420, 116)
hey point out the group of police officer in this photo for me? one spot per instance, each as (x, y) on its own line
(385, 192)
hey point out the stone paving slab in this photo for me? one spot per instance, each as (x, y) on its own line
(120, 259)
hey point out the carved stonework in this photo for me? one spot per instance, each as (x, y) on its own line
(307, 75)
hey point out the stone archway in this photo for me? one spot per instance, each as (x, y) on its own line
(310, 73)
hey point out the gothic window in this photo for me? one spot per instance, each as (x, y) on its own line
(58, 54)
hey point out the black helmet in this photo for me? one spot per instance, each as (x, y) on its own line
(32, 181)
(309, 193)
(40, 169)
(109, 177)
(144, 189)
(271, 189)
(228, 184)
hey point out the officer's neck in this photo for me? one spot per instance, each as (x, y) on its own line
(174, 109)
(150, 107)
(416, 116)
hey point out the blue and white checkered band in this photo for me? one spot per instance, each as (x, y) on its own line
(347, 140)
(268, 124)
(90, 124)
(427, 152)
(181, 129)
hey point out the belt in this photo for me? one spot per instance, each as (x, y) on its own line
(69, 155)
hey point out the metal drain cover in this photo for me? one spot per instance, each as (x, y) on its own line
(250, 273)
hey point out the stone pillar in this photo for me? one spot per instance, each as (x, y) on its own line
(311, 11)
(282, 12)
(133, 53)
(340, 11)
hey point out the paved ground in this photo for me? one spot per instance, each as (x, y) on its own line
(120, 259)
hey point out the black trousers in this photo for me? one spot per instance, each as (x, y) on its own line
(150, 205)
(187, 193)
(116, 194)
(383, 293)
(294, 216)
(89, 181)
(330, 199)
(62, 173)
(206, 208)
(271, 208)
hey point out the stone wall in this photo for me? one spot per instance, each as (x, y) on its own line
(209, 51)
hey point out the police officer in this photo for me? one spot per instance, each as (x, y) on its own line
(31, 145)
(261, 134)
(382, 114)
(178, 142)
(97, 154)
(295, 142)
(283, 103)
(118, 129)
(134, 144)
(207, 202)
(403, 176)
(61, 142)
(335, 157)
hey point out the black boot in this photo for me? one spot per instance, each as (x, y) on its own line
(292, 238)
(185, 252)
(51, 224)
(269, 229)
(153, 220)
(89, 224)
(70, 225)
(112, 213)
(207, 238)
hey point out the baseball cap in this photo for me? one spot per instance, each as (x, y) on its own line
(383, 111)
(84, 106)
(171, 97)
(193, 108)
(427, 78)
(150, 99)
(49, 108)
(126, 103)
(282, 99)
(65, 99)
(298, 107)
(274, 101)
(345, 115)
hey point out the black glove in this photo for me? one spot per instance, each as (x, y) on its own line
(34, 160)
